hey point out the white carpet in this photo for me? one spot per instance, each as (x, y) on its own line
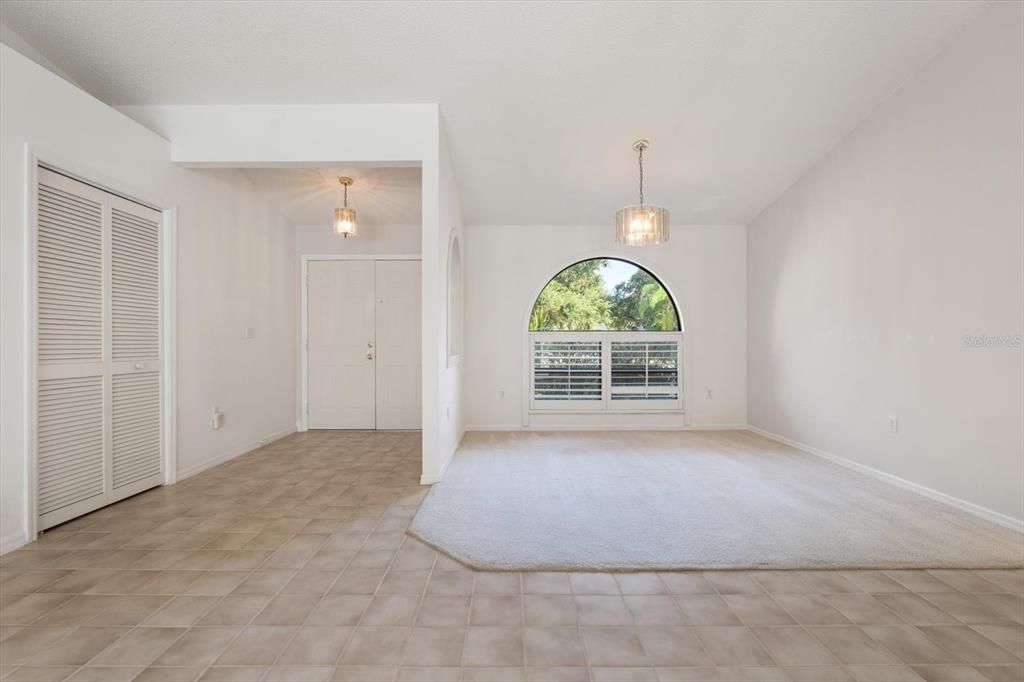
(687, 500)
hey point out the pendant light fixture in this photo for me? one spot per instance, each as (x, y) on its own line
(642, 224)
(345, 217)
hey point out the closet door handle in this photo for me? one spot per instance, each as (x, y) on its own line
(369, 356)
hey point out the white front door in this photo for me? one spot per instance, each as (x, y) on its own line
(399, 366)
(341, 345)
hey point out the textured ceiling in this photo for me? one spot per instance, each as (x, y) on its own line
(308, 196)
(541, 100)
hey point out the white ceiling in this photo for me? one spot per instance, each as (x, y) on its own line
(308, 196)
(541, 100)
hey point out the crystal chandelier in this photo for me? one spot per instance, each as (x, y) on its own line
(641, 224)
(345, 217)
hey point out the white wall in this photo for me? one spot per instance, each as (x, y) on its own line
(703, 266)
(866, 276)
(450, 388)
(235, 268)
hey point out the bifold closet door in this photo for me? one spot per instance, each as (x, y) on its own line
(98, 354)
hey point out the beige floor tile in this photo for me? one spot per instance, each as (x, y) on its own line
(1008, 636)
(828, 582)
(245, 673)
(450, 583)
(392, 609)
(757, 610)
(706, 609)
(554, 647)
(1010, 580)
(641, 583)
(358, 581)
(734, 582)
(672, 646)
(965, 608)
(364, 673)
(502, 610)
(338, 609)
(916, 610)
(909, 644)
(316, 646)
(139, 647)
(965, 581)
(408, 582)
(78, 647)
(602, 610)
(733, 646)
(782, 582)
(287, 609)
(30, 673)
(235, 609)
(438, 611)
(624, 674)
(498, 583)
(883, 673)
(948, 673)
(594, 583)
(257, 645)
(864, 609)
(545, 610)
(299, 673)
(493, 646)
(546, 583)
(181, 612)
(793, 646)
(810, 609)
(851, 645)
(687, 583)
(613, 647)
(1002, 673)
(198, 646)
(434, 647)
(919, 581)
(655, 609)
(109, 674)
(376, 646)
(28, 608)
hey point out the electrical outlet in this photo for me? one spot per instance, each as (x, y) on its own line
(894, 424)
(501, 395)
(708, 396)
(250, 332)
(218, 419)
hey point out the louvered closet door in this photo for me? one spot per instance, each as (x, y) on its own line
(98, 392)
(70, 436)
(135, 347)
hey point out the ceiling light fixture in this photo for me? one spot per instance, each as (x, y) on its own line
(345, 217)
(641, 225)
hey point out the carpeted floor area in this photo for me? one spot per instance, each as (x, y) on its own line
(687, 500)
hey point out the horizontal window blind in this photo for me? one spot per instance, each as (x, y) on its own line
(611, 371)
(567, 370)
(645, 370)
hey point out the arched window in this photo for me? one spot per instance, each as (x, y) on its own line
(605, 335)
(604, 294)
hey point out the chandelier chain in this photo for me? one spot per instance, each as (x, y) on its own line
(641, 162)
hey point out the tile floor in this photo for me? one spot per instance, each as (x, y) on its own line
(291, 563)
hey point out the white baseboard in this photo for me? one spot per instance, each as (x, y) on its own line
(606, 427)
(963, 505)
(228, 456)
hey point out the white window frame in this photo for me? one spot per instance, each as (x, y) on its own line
(606, 405)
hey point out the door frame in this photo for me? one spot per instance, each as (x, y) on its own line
(303, 421)
(57, 162)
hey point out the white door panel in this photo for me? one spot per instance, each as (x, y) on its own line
(399, 366)
(340, 318)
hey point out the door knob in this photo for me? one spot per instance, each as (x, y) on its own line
(369, 356)
(139, 365)
(369, 344)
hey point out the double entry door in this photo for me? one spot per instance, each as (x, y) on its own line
(364, 350)
(98, 436)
